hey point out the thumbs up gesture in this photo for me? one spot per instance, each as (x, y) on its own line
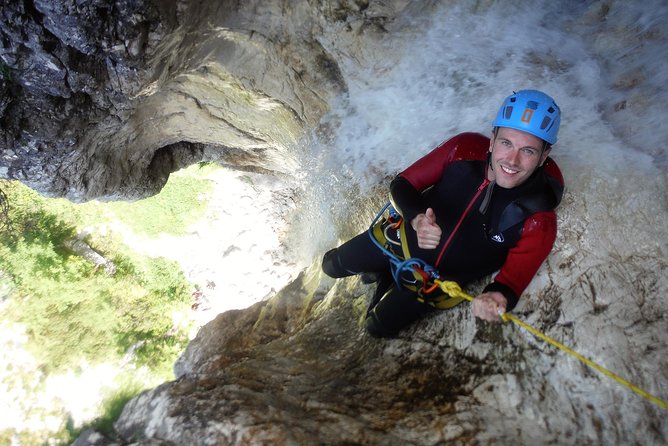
(428, 232)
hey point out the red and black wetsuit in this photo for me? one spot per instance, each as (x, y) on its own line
(515, 232)
(485, 228)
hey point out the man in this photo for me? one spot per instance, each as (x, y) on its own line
(469, 208)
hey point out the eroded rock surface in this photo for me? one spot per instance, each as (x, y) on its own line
(105, 100)
(299, 369)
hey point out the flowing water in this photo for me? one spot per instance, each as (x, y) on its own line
(605, 63)
(605, 66)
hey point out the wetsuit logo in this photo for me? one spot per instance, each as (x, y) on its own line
(498, 238)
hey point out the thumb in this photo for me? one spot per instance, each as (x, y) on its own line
(431, 216)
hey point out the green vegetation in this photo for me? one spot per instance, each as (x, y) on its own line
(76, 312)
(112, 407)
(181, 202)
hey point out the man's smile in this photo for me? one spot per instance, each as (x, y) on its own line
(508, 170)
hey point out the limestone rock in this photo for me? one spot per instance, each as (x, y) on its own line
(299, 369)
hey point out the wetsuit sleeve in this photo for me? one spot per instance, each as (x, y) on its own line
(538, 235)
(428, 170)
(406, 199)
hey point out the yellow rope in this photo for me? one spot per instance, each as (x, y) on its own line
(454, 290)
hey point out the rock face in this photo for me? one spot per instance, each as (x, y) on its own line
(149, 88)
(67, 70)
(299, 369)
(102, 101)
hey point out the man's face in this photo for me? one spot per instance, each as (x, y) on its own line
(515, 156)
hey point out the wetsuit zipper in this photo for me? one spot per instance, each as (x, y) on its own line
(482, 187)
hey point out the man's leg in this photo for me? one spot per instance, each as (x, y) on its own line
(357, 255)
(397, 309)
(391, 309)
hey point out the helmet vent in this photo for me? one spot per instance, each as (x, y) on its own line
(533, 105)
(508, 112)
(545, 123)
(550, 110)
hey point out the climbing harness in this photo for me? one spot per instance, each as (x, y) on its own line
(428, 280)
(408, 272)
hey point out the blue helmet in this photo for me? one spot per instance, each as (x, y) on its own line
(531, 111)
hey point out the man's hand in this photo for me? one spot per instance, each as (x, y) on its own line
(488, 305)
(428, 232)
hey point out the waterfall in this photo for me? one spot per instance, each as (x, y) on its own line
(450, 74)
(606, 67)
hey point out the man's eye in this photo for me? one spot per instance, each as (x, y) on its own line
(530, 152)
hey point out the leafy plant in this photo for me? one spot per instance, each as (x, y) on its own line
(182, 201)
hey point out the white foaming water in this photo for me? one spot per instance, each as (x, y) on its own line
(453, 77)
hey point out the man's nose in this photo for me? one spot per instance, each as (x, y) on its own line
(514, 157)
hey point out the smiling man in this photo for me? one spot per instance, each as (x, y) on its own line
(471, 207)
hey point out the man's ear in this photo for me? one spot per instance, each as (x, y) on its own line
(491, 140)
(546, 153)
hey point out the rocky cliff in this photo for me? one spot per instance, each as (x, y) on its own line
(149, 88)
(104, 100)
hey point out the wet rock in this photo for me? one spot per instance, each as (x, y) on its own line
(299, 369)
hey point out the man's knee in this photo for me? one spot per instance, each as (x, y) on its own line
(375, 327)
(331, 265)
(396, 310)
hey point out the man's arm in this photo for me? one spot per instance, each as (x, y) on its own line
(538, 235)
(406, 199)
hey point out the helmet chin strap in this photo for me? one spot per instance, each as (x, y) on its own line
(495, 131)
(546, 146)
(489, 161)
